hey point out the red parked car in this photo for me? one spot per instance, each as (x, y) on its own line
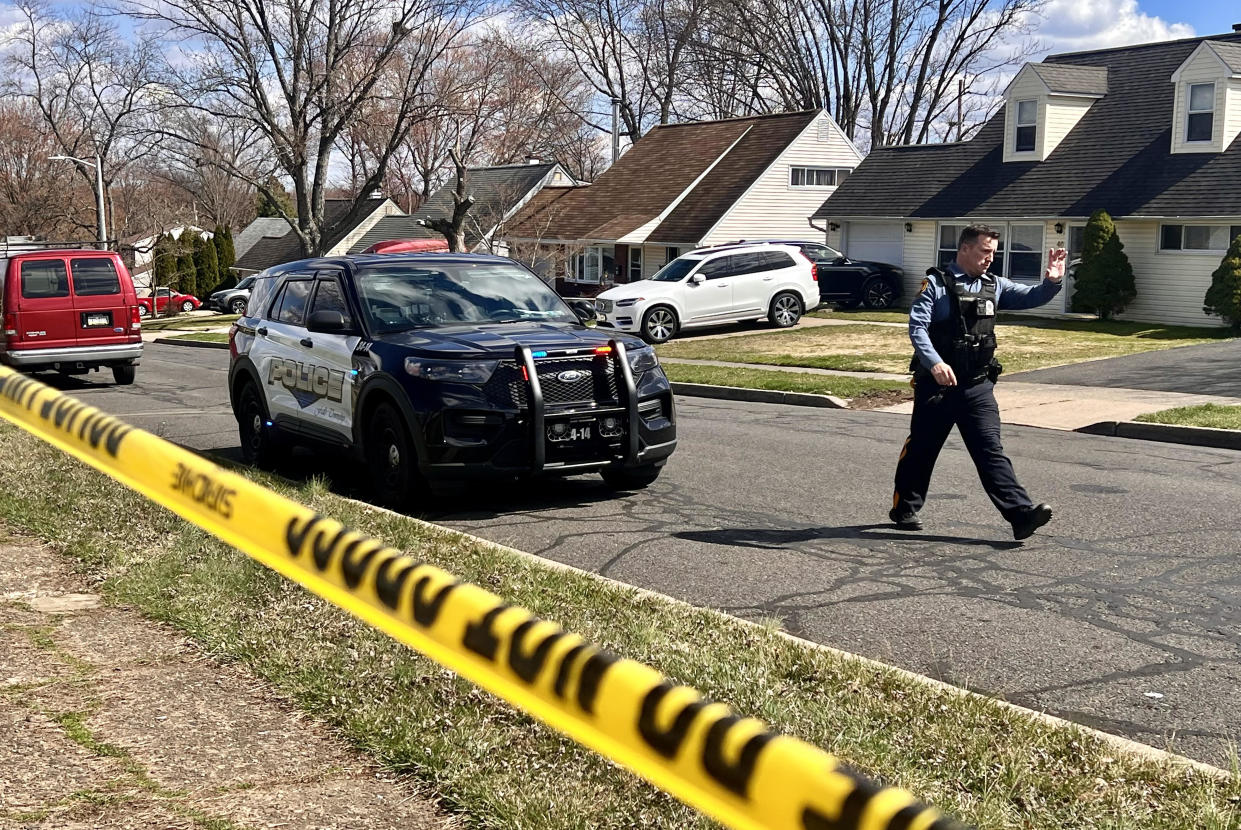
(163, 296)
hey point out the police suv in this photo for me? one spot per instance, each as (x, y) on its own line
(434, 367)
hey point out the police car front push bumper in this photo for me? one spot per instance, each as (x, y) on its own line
(633, 453)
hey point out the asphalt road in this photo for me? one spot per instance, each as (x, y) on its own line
(1124, 615)
(1205, 369)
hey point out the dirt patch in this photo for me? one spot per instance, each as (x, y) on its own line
(881, 398)
(110, 721)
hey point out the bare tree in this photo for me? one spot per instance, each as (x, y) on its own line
(297, 72)
(453, 226)
(38, 197)
(90, 85)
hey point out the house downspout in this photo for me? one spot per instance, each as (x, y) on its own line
(823, 231)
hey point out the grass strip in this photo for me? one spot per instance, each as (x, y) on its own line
(1219, 416)
(859, 391)
(1029, 343)
(896, 315)
(184, 321)
(204, 336)
(988, 765)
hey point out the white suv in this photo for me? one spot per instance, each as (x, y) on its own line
(710, 286)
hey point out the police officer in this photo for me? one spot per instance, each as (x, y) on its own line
(952, 326)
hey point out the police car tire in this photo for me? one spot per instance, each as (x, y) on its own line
(390, 459)
(259, 447)
(631, 478)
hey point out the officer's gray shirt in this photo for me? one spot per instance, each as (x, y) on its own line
(932, 305)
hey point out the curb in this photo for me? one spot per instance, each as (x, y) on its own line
(197, 344)
(1224, 439)
(736, 393)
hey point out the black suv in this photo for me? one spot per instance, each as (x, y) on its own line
(849, 283)
(434, 367)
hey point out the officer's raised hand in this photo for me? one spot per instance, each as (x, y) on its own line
(943, 374)
(1055, 264)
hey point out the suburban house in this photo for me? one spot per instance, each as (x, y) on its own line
(1148, 133)
(683, 186)
(142, 251)
(276, 242)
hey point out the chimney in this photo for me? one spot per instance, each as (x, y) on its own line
(533, 160)
(1236, 27)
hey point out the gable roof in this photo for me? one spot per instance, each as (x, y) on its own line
(274, 250)
(1072, 80)
(496, 191)
(718, 159)
(256, 230)
(1118, 158)
(1229, 53)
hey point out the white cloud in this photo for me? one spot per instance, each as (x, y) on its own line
(1074, 26)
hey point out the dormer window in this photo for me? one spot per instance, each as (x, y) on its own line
(1200, 123)
(1027, 126)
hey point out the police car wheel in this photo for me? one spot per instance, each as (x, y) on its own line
(878, 293)
(259, 446)
(390, 457)
(785, 310)
(631, 478)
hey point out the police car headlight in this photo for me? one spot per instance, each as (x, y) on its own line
(460, 371)
(641, 359)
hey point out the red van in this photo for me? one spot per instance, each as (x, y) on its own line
(69, 310)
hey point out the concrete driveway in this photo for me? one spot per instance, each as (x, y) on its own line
(1208, 369)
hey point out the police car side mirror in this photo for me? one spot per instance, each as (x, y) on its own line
(327, 322)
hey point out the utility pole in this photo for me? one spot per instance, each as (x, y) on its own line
(615, 129)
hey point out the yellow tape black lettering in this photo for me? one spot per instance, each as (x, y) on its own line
(479, 637)
(388, 586)
(735, 775)
(202, 489)
(352, 566)
(528, 666)
(426, 611)
(666, 741)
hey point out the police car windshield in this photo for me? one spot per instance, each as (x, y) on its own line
(408, 296)
(676, 270)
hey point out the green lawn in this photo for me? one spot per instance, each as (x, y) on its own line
(861, 315)
(186, 322)
(860, 392)
(1024, 344)
(1206, 415)
(497, 768)
(205, 336)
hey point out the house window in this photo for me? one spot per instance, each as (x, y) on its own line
(671, 252)
(1018, 253)
(1197, 237)
(817, 176)
(1027, 121)
(1201, 120)
(635, 264)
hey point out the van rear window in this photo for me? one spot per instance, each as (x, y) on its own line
(44, 278)
(95, 275)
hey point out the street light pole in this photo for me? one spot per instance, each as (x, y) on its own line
(99, 206)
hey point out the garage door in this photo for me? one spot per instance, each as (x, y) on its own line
(875, 241)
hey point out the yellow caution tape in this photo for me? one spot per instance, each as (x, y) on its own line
(733, 769)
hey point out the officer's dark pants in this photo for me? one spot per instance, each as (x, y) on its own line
(975, 413)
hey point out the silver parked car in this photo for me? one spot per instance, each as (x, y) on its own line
(232, 299)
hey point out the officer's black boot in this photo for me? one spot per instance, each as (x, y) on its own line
(1030, 520)
(905, 518)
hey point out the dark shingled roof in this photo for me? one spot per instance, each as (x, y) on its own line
(1118, 158)
(496, 190)
(657, 169)
(393, 227)
(1229, 53)
(1072, 80)
(275, 250)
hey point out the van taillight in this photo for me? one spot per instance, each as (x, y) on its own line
(135, 319)
(10, 325)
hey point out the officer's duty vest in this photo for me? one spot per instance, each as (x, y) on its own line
(966, 338)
